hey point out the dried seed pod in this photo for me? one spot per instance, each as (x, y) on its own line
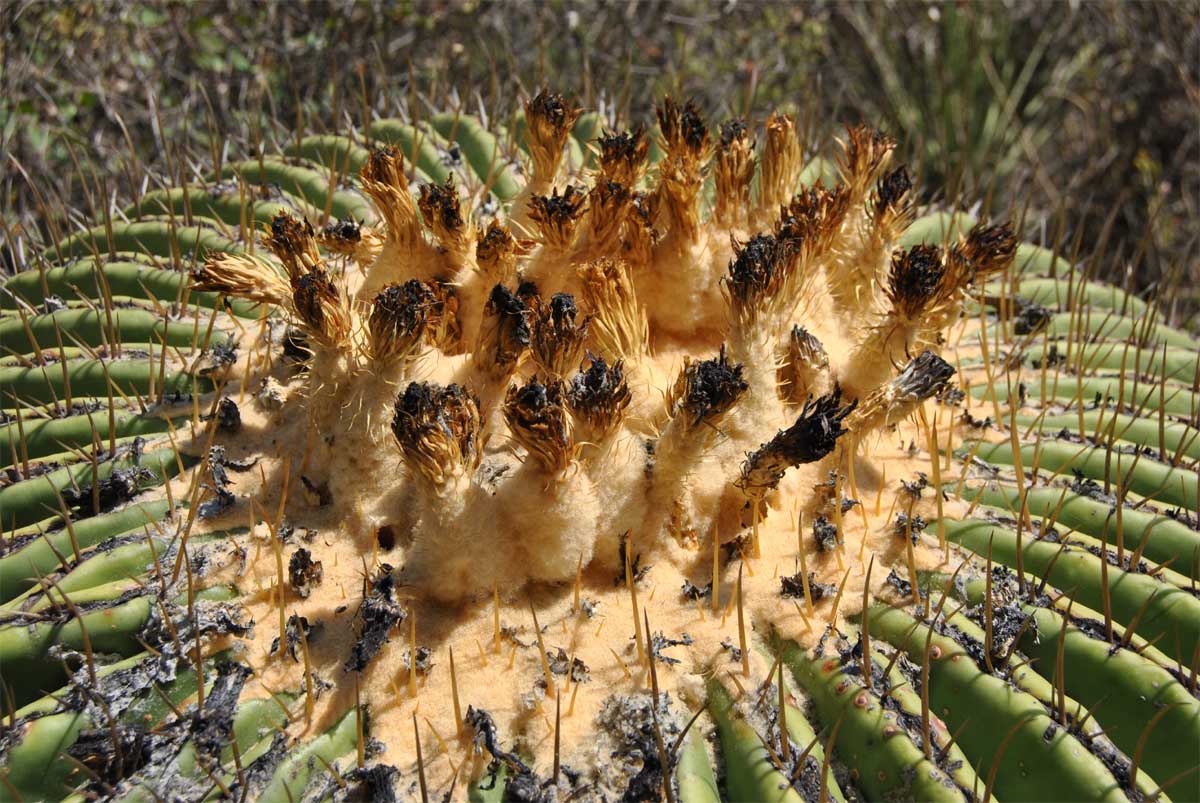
(925, 376)
(782, 162)
(915, 281)
(321, 308)
(438, 430)
(812, 436)
(341, 236)
(549, 120)
(442, 212)
(706, 390)
(684, 132)
(505, 333)
(399, 317)
(558, 337)
(803, 366)
(242, 277)
(294, 243)
(891, 205)
(623, 157)
(537, 417)
(619, 325)
(608, 205)
(986, 251)
(383, 178)
(734, 172)
(557, 216)
(865, 153)
(598, 397)
(496, 253)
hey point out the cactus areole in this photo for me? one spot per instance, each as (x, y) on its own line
(583, 462)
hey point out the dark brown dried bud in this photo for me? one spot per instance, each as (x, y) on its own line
(506, 331)
(987, 250)
(683, 128)
(438, 430)
(549, 120)
(399, 317)
(318, 305)
(341, 236)
(707, 389)
(598, 397)
(892, 192)
(804, 366)
(925, 376)
(496, 253)
(865, 153)
(757, 269)
(537, 418)
(813, 435)
(293, 243)
(557, 216)
(623, 156)
(734, 172)
(915, 279)
(557, 337)
(441, 210)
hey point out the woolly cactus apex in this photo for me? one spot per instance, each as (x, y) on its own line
(562, 532)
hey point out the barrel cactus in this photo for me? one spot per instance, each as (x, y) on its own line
(566, 461)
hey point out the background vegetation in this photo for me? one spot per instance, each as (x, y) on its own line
(1080, 117)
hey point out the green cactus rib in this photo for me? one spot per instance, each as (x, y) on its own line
(38, 437)
(486, 789)
(225, 205)
(1109, 325)
(91, 378)
(36, 767)
(750, 774)
(333, 151)
(86, 279)
(1182, 365)
(890, 765)
(97, 327)
(693, 772)
(1174, 437)
(31, 500)
(937, 228)
(103, 568)
(34, 552)
(1177, 400)
(1064, 293)
(25, 667)
(421, 146)
(1025, 679)
(1146, 477)
(1164, 572)
(482, 151)
(1039, 760)
(1169, 613)
(1167, 541)
(311, 186)
(155, 237)
(298, 769)
(1124, 688)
